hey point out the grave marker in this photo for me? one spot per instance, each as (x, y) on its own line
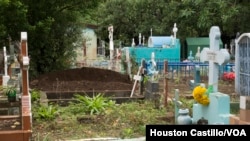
(26, 102)
(197, 79)
(242, 77)
(137, 78)
(133, 43)
(198, 54)
(215, 56)
(111, 43)
(190, 57)
(218, 110)
(6, 77)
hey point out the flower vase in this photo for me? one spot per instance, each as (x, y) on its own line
(12, 96)
(183, 117)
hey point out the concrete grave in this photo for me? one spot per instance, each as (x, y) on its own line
(242, 76)
(218, 110)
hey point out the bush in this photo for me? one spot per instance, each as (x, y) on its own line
(92, 105)
(45, 112)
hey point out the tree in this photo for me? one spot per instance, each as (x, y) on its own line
(12, 20)
(193, 17)
(54, 28)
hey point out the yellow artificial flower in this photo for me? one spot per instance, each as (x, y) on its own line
(199, 94)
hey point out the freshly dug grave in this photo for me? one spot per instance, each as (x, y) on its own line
(82, 79)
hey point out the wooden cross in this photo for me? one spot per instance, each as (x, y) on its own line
(26, 102)
(137, 78)
(214, 56)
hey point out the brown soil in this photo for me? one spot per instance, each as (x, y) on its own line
(185, 90)
(82, 79)
(88, 79)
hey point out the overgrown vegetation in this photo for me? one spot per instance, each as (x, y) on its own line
(35, 95)
(91, 105)
(99, 116)
(96, 116)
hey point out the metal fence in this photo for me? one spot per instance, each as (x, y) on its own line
(242, 60)
(187, 69)
(175, 69)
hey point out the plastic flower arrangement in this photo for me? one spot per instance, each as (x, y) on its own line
(201, 95)
(228, 76)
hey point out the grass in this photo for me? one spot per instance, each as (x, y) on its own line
(126, 120)
(107, 119)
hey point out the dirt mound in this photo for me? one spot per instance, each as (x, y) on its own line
(85, 78)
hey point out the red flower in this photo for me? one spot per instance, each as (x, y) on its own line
(228, 76)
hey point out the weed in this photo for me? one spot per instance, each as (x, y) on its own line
(45, 112)
(41, 138)
(35, 95)
(94, 105)
(127, 133)
(125, 120)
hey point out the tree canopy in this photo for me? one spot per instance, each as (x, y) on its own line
(193, 17)
(55, 28)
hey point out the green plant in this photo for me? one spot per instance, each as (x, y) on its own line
(41, 137)
(96, 104)
(177, 80)
(146, 78)
(75, 108)
(9, 90)
(46, 112)
(35, 95)
(127, 133)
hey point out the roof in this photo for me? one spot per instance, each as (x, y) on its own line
(199, 41)
(159, 41)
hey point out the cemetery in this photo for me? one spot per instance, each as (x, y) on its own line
(165, 81)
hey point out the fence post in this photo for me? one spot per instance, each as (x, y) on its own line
(143, 64)
(165, 83)
(26, 102)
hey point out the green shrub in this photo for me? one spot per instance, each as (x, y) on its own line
(46, 112)
(35, 95)
(94, 105)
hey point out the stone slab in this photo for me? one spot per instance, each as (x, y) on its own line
(245, 115)
(217, 112)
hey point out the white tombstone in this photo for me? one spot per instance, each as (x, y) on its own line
(137, 78)
(133, 42)
(139, 39)
(198, 53)
(103, 48)
(215, 56)
(111, 43)
(218, 110)
(6, 77)
(175, 29)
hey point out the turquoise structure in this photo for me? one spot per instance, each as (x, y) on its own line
(164, 48)
(217, 112)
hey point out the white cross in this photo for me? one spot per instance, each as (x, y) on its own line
(133, 42)
(139, 38)
(214, 56)
(5, 61)
(111, 43)
(137, 78)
